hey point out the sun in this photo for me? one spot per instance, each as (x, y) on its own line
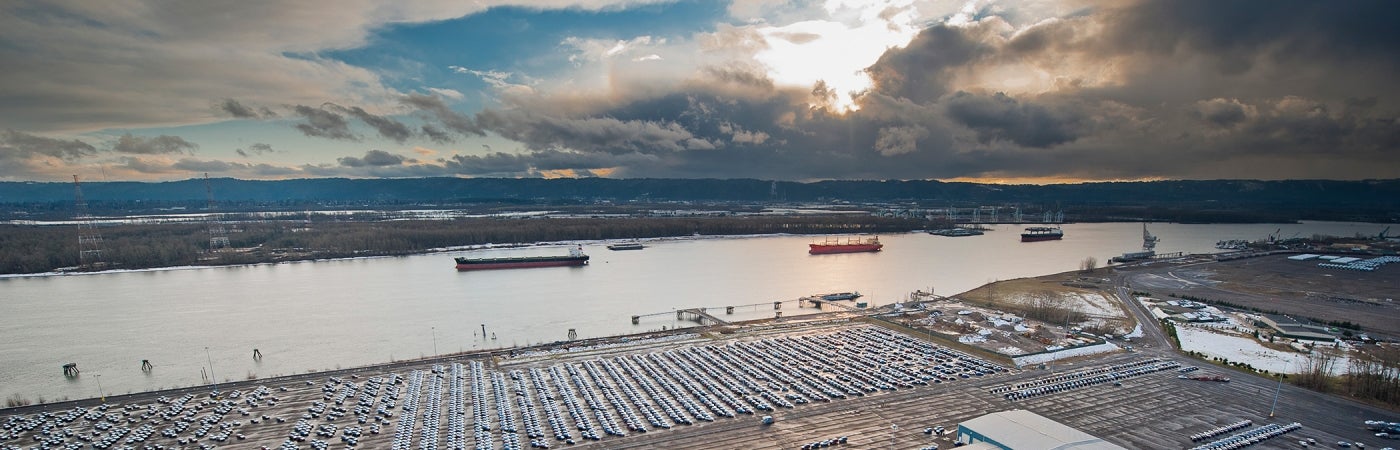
(836, 52)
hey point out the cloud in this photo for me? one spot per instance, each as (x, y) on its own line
(323, 123)
(1222, 112)
(498, 80)
(24, 156)
(158, 145)
(388, 128)
(591, 134)
(1069, 93)
(257, 148)
(436, 134)
(434, 108)
(60, 57)
(447, 93)
(1000, 117)
(534, 163)
(1054, 89)
(372, 158)
(237, 110)
(899, 140)
(24, 145)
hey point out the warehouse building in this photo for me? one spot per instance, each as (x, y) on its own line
(1024, 430)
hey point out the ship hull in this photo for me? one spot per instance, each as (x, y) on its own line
(518, 263)
(1037, 238)
(819, 249)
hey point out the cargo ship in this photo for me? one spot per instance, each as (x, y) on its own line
(574, 258)
(850, 245)
(1033, 234)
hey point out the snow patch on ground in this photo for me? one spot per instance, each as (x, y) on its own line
(1010, 351)
(1077, 351)
(1245, 349)
(1136, 333)
(1085, 302)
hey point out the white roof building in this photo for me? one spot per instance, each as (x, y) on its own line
(1024, 430)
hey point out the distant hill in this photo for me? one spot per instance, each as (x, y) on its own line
(1372, 200)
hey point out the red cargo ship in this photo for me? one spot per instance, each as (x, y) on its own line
(850, 245)
(575, 258)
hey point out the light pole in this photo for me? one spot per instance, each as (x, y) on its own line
(100, 393)
(435, 341)
(1276, 390)
(211, 371)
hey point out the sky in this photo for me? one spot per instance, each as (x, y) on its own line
(1032, 91)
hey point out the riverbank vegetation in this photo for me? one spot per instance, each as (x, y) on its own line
(39, 249)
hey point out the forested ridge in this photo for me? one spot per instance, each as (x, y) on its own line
(39, 249)
(1371, 200)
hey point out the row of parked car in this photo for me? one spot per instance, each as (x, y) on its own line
(1213, 432)
(1251, 437)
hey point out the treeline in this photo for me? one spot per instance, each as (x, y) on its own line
(1372, 373)
(1180, 200)
(40, 249)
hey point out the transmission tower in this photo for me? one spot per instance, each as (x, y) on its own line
(218, 237)
(89, 240)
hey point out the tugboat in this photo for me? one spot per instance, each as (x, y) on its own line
(633, 245)
(1034, 234)
(575, 258)
(850, 245)
(956, 232)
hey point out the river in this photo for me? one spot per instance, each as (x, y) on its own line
(306, 316)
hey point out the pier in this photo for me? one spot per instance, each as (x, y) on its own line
(703, 316)
(699, 315)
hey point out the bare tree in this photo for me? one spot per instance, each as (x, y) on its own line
(1316, 371)
(1375, 374)
(1089, 264)
(1048, 306)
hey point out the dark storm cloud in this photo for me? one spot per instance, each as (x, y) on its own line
(323, 123)
(1238, 34)
(999, 116)
(434, 108)
(922, 70)
(372, 158)
(158, 145)
(16, 144)
(388, 128)
(1122, 90)
(1221, 112)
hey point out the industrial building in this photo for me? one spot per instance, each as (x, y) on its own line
(1024, 430)
(1287, 327)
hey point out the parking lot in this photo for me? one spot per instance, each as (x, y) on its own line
(820, 382)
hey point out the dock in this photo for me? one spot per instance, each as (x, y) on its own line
(699, 315)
